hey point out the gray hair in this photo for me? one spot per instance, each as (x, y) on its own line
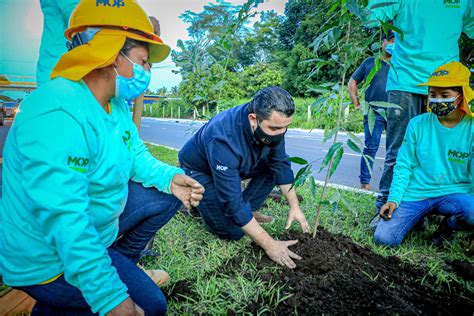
(271, 99)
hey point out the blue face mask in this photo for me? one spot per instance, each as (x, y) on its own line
(389, 48)
(130, 88)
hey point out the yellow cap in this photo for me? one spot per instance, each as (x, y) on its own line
(124, 15)
(453, 74)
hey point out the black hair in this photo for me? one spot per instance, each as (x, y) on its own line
(271, 99)
(131, 43)
(388, 36)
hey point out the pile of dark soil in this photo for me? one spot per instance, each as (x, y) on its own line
(337, 276)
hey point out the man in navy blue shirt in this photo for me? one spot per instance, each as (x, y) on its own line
(245, 142)
(375, 92)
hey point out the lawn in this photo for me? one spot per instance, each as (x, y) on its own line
(217, 277)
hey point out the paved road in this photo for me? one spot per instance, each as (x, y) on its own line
(3, 135)
(299, 143)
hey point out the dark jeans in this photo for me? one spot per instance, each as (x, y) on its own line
(458, 207)
(212, 211)
(372, 142)
(397, 122)
(146, 211)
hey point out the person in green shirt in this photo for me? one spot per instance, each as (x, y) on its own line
(81, 193)
(434, 172)
(431, 31)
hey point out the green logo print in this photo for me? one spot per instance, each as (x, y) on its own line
(77, 164)
(127, 140)
(457, 156)
(452, 4)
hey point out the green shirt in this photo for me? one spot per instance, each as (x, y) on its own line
(53, 43)
(434, 160)
(66, 168)
(431, 30)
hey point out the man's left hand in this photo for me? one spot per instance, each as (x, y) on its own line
(187, 190)
(297, 215)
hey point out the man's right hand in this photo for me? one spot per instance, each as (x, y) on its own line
(278, 251)
(126, 308)
(358, 106)
(387, 210)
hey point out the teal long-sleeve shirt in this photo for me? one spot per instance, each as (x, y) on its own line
(434, 160)
(431, 30)
(56, 15)
(66, 169)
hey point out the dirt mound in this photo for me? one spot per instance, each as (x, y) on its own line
(337, 276)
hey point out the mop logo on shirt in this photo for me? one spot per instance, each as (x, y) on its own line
(452, 4)
(78, 164)
(458, 156)
(127, 140)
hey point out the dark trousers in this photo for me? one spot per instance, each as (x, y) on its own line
(371, 142)
(146, 211)
(213, 212)
(411, 104)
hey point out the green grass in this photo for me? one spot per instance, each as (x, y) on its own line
(189, 253)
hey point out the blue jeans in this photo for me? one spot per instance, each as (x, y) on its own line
(146, 211)
(372, 142)
(459, 208)
(397, 122)
(212, 211)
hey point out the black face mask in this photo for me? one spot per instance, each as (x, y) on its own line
(263, 139)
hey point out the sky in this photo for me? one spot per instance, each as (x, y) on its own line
(21, 24)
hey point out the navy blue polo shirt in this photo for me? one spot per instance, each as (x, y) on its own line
(377, 89)
(225, 149)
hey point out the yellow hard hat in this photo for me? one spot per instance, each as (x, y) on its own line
(453, 74)
(118, 14)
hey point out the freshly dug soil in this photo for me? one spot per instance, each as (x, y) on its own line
(337, 276)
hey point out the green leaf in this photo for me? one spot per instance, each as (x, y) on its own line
(298, 160)
(365, 107)
(353, 146)
(353, 8)
(371, 120)
(333, 7)
(312, 185)
(329, 133)
(373, 72)
(319, 89)
(388, 26)
(330, 154)
(382, 4)
(355, 139)
(336, 161)
(319, 103)
(385, 105)
(366, 159)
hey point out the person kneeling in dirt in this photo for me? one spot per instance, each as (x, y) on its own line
(434, 173)
(245, 142)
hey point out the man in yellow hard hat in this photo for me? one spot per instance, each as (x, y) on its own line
(82, 195)
(434, 173)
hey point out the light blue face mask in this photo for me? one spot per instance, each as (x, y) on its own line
(389, 48)
(130, 88)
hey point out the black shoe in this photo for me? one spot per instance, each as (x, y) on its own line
(443, 233)
(422, 225)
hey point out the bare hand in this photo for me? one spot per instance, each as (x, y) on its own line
(126, 308)
(297, 215)
(387, 210)
(278, 251)
(187, 190)
(358, 106)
